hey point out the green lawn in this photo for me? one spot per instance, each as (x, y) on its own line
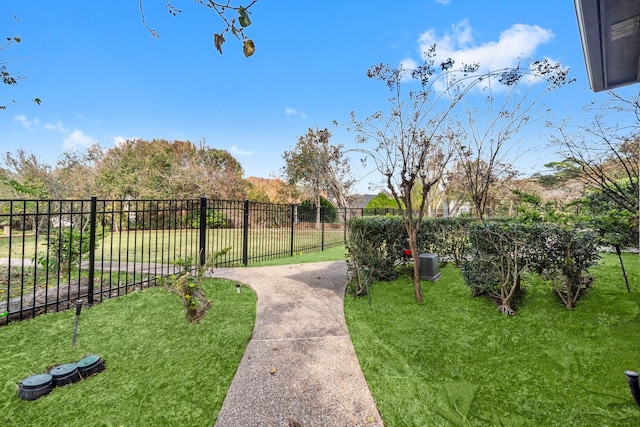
(335, 253)
(455, 360)
(163, 246)
(160, 370)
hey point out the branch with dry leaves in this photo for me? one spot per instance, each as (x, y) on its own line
(234, 17)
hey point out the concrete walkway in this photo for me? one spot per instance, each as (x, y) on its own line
(300, 368)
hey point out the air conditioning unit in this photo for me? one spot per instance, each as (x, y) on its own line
(429, 267)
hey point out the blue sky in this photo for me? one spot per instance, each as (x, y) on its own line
(103, 78)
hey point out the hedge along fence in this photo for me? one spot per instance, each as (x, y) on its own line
(494, 255)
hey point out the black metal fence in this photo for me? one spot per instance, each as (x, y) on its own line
(53, 252)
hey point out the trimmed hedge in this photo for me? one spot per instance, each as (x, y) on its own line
(494, 254)
(377, 243)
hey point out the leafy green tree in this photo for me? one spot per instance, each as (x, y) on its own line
(27, 177)
(164, 169)
(561, 172)
(382, 201)
(320, 168)
(308, 207)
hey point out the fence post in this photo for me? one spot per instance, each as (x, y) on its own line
(293, 223)
(245, 234)
(92, 249)
(203, 230)
(322, 212)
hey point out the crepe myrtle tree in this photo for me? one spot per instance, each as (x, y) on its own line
(235, 18)
(490, 132)
(414, 140)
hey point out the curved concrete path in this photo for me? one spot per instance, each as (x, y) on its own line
(300, 368)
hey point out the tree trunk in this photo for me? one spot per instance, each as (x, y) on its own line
(417, 288)
(318, 212)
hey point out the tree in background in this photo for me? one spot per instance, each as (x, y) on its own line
(320, 168)
(560, 173)
(163, 169)
(489, 133)
(24, 176)
(157, 169)
(382, 201)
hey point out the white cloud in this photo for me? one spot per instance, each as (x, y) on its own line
(235, 150)
(26, 123)
(55, 126)
(443, 2)
(519, 42)
(293, 112)
(77, 139)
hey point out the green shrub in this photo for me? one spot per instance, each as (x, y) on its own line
(381, 205)
(503, 252)
(506, 250)
(187, 283)
(307, 211)
(376, 244)
(66, 248)
(370, 247)
(214, 219)
(563, 260)
(447, 237)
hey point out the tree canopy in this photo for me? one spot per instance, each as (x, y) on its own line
(133, 169)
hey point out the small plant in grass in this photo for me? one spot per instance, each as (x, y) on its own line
(187, 283)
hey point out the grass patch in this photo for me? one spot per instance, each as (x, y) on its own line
(166, 245)
(335, 253)
(160, 370)
(454, 360)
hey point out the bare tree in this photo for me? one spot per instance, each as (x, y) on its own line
(412, 143)
(490, 132)
(607, 151)
(416, 139)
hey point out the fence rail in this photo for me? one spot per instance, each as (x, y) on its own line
(53, 252)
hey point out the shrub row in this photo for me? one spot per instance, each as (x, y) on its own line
(494, 255)
(377, 244)
(503, 251)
